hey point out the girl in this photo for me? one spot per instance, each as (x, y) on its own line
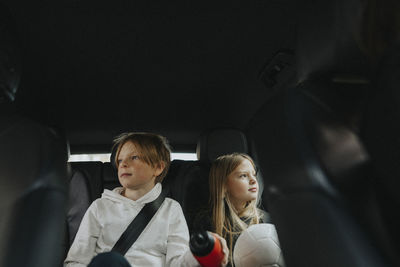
(233, 199)
(142, 160)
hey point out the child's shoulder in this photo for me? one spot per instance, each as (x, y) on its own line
(264, 216)
(172, 203)
(101, 201)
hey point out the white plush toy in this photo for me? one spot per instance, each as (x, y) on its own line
(258, 246)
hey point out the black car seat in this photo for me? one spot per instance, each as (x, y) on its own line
(187, 181)
(33, 172)
(381, 126)
(320, 188)
(87, 183)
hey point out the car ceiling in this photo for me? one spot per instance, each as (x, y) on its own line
(96, 68)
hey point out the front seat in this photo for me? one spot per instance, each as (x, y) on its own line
(33, 170)
(325, 179)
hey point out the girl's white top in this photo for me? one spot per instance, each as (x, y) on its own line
(164, 241)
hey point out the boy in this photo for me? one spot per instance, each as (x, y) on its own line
(143, 160)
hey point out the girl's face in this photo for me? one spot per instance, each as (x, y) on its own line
(241, 185)
(133, 172)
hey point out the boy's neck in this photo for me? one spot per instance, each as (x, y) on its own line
(135, 194)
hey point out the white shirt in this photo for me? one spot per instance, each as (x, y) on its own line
(164, 241)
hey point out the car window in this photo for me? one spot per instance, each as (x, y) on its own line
(105, 157)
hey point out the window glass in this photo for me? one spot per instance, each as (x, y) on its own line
(105, 157)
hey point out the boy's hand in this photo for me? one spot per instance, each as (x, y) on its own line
(224, 249)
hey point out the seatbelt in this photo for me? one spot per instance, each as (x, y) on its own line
(136, 227)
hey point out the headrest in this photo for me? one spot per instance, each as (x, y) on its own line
(217, 142)
(112, 156)
(10, 63)
(109, 173)
(328, 40)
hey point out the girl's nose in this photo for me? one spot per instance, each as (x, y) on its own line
(253, 180)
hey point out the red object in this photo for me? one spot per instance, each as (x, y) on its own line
(214, 257)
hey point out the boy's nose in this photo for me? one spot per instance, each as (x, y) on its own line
(123, 163)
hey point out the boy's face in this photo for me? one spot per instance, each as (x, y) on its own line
(133, 172)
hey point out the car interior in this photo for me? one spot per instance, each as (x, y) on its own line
(308, 89)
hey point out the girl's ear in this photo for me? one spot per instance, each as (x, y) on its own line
(225, 194)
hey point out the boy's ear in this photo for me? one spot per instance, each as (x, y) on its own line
(160, 168)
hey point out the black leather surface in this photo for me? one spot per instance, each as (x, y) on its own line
(87, 183)
(187, 183)
(322, 192)
(33, 167)
(217, 142)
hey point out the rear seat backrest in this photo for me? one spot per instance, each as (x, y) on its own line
(186, 181)
(110, 177)
(88, 181)
(91, 172)
(79, 202)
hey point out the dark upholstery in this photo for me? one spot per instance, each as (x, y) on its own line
(33, 171)
(218, 142)
(321, 187)
(79, 202)
(91, 172)
(88, 181)
(313, 162)
(186, 181)
(33, 193)
(110, 176)
(381, 131)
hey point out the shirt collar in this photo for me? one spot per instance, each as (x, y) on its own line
(146, 198)
(151, 195)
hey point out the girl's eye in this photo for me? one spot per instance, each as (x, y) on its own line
(135, 157)
(243, 176)
(119, 161)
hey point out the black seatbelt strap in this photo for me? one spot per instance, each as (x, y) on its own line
(136, 227)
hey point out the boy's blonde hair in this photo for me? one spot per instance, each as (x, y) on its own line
(225, 218)
(152, 148)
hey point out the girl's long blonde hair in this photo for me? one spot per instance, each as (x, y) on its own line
(226, 220)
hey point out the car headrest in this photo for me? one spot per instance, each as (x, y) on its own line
(328, 40)
(112, 156)
(110, 176)
(10, 63)
(217, 142)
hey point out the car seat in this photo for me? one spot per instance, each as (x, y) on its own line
(33, 172)
(320, 186)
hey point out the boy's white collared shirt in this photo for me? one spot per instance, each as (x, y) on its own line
(164, 241)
